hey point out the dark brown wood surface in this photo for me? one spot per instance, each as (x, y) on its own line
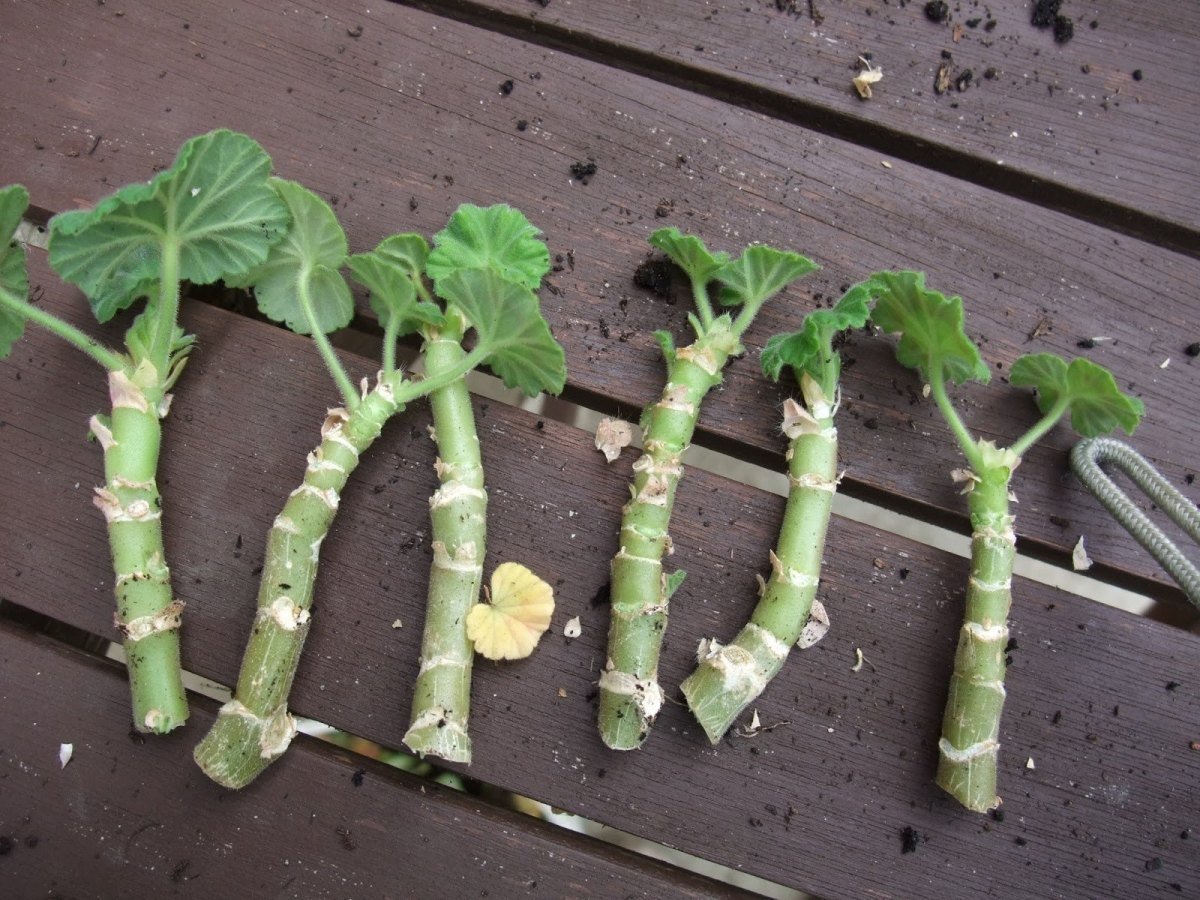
(398, 115)
(820, 799)
(132, 817)
(410, 114)
(1097, 125)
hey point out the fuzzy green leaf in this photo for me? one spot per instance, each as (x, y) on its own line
(508, 325)
(672, 583)
(666, 343)
(930, 324)
(760, 273)
(1097, 405)
(299, 283)
(808, 349)
(214, 203)
(689, 253)
(494, 237)
(390, 272)
(14, 280)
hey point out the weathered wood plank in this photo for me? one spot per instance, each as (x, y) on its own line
(820, 800)
(420, 120)
(1097, 125)
(135, 818)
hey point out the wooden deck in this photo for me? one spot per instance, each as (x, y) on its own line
(1058, 194)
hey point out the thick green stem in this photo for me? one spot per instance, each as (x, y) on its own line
(729, 677)
(254, 728)
(147, 613)
(458, 509)
(970, 739)
(630, 696)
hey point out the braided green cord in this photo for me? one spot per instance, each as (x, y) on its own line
(1086, 457)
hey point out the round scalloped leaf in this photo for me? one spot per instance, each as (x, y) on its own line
(510, 626)
(495, 237)
(14, 279)
(1089, 390)
(505, 316)
(214, 202)
(390, 273)
(930, 325)
(760, 273)
(304, 267)
(806, 350)
(689, 253)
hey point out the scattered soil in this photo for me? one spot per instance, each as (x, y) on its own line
(654, 275)
(583, 171)
(1046, 14)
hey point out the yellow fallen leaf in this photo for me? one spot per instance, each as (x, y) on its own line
(518, 615)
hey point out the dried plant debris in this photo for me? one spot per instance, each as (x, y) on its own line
(868, 75)
(613, 435)
(949, 77)
(1080, 560)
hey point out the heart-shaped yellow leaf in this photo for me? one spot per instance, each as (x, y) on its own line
(510, 626)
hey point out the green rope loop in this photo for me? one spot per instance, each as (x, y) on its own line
(1086, 458)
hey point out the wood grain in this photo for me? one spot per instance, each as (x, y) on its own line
(1098, 125)
(820, 800)
(132, 817)
(401, 123)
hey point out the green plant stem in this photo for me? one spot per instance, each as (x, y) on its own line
(325, 348)
(937, 387)
(147, 613)
(729, 677)
(970, 739)
(630, 696)
(702, 303)
(391, 334)
(254, 728)
(1041, 428)
(166, 311)
(458, 509)
(69, 333)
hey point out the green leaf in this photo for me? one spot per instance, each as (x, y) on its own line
(689, 253)
(672, 582)
(494, 237)
(808, 349)
(14, 279)
(391, 272)
(299, 283)
(666, 343)
(214, 203)
(930, 327)
(1097, 405)
(760, 273)
(509, 327)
